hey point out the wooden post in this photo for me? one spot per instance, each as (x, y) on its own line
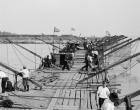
(15, 86)
(127, 100)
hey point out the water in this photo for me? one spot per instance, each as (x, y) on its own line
(16, 57)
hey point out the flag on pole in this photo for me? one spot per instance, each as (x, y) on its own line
(56, 29)
(72, 29)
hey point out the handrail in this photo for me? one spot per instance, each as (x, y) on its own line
(110, 66)
(117, 44)
(24, 48)
(122, 46)
(16, 72)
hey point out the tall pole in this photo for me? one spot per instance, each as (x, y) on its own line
(59, 44)
(53, 39)
(34, 55)
(55, 30)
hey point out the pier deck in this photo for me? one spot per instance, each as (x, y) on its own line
(60, 91)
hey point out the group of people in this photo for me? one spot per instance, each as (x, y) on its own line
(71, 47)
(106, 100)
(6, 84)
(91, 60)
(46, 62)
(4, 80)
(68, 61)
(90, 45)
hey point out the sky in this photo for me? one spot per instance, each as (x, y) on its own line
(87, 17)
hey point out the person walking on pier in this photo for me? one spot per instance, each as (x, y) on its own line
(25, 74)
(102, 94)
(4, 80)
(88, 62)
(111, 102)
(66, 63)
(47, 62)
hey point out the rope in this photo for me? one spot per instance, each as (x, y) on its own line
(24, 55)
(35, 52)
(136, 44)
(7, 54)
(136, 47)
(0, 50)
(49, 48)
(126, 53)
(17, 55)
(128, 69)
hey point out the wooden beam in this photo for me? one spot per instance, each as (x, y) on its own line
(31, 52)
(122, 46)
(25, 48)
(110, 66)
(131, 95)
(16, 72)
(117, 45)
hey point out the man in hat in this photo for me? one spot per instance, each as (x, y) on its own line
(66, 62)
(95, 58)
(4, 80)
(88, 62)
(102, 94)
(25, 75)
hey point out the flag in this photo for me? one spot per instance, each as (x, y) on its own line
(72, 29)
(56, 29)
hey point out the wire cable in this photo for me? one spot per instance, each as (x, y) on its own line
(24, 55)
(17, 55)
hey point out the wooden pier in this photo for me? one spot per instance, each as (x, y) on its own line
(60, 90)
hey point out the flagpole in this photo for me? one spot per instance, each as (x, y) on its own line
(55, 30)
(59, 44)
(53, 40)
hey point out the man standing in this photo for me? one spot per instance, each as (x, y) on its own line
(86, 63)
(102, 94)
(66, 63)
(47, 62)
(25, 74)
(4, 78)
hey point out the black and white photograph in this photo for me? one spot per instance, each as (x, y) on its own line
(69, 55)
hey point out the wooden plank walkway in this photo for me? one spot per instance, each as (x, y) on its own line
(63, 93)
(74, 96)
(73, 99)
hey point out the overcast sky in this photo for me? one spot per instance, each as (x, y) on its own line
(88, 17)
